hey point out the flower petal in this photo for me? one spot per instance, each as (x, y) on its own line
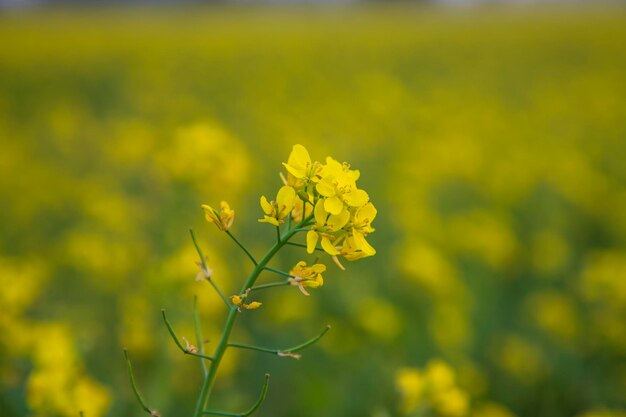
(326, 188)
(266, 206)
(320, 214)
(328, 247)
(311, 241)
(356, 198)
(333, 205)
(285, 199)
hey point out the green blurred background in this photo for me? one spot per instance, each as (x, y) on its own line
(492, 141)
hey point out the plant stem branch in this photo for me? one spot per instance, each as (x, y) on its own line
(300, 245)
(252, 409)
(270, 285)
(134, 385)
(242, 247)
(282, 352)
(180, 345)
(279, 272)
(205, 269)
(209, 380)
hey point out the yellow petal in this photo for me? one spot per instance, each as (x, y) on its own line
(298, 173)
(299, 157)
(332, 168)
(363, 245)
(356, 198)
(224, 206)
(311, 241)
(235, 299)
(253, 305)
(333, 205)
(328, 247)
(285, 199)
(366, 214)
(326, 188)
(337, 221)
(271, 220)
(266, 206)
(319, 213)
(209, 214)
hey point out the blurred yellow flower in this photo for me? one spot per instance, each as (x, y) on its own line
(223, 219)
(433, 388)
(276, 211)
(307, 276)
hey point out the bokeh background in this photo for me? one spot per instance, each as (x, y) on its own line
(491, 139)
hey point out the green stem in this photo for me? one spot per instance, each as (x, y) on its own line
(270, 285)
(243, 248)
(205, 269)
(134, 385)
(252, 409)
(282, 351)
(207, 385)
(300, 245)
(180, 345)
(279, 272)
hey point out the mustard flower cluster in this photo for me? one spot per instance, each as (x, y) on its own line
(342, 213)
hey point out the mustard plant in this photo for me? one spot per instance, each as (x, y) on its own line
(320, 200)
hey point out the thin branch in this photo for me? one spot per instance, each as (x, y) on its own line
(308, 342)
(134, 385)
(279, 272)
(261, 397)
(205, 269)
(300, 245)
(185, 350)
(283, 352)
(242, 247)
(252, 409)
(198, 331)
(270, 285)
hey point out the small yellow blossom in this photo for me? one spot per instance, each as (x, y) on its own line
(300, 167)
(307, 276)
(338, 186)
(325, 224)
(238, 301)
(223, 219)
(276, 211)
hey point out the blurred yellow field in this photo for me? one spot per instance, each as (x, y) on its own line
(492, 142)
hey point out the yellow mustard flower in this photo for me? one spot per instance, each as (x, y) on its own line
(307, 276)
(357, 246)
(276, 211)
(238, 300)
(338, 186)
(325, 224)
(300, 167)
(223, 219)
